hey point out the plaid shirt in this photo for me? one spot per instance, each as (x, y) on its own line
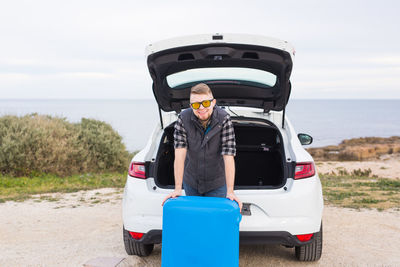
(227, 136)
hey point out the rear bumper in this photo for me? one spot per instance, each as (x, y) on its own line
(278, 237)
(246, 238)
(295, 210)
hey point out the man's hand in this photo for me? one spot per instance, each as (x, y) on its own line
(232, 196)
(176, 193)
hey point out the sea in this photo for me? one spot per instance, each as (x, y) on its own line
(328, 121)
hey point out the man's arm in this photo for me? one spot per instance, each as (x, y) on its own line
(230, 179)
(228, 152)
(179, 164)
(180, 145)
(229, 172)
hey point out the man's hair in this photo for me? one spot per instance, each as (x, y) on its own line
(201, 89)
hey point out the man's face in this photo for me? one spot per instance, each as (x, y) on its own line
(202, 113)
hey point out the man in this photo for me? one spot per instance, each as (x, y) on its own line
(204, 142)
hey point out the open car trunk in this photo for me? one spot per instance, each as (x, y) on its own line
(259, 160)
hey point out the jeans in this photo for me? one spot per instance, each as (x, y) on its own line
(218, 192)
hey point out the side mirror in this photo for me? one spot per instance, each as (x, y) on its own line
(305, 139)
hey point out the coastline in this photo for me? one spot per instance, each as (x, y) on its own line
(329, 121)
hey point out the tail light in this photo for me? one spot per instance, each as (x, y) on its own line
(304, 170)
(304, 238)
(138, 170)
(136, 235)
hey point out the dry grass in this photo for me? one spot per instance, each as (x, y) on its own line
(22, 188)
(358, 189)
(357, 149)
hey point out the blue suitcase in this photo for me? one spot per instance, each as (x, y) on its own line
(200, 231)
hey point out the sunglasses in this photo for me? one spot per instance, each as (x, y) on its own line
(205, 103)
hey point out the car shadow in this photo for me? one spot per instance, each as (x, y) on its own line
(268, 255)
(249, 255)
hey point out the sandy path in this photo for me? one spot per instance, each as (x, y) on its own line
(73, 230)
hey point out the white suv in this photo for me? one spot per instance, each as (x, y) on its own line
(275, 176)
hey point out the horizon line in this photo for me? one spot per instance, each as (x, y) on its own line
(128, 99)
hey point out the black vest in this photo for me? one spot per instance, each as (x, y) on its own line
(204, 164)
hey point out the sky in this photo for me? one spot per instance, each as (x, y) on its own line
(94, 49)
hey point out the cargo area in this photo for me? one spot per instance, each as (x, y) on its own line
(259, 158)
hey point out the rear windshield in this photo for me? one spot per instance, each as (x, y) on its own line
(244, 75)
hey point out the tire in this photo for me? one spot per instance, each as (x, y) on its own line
(312, 251)
(133, 247)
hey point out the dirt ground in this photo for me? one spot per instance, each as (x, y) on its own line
(70, 229)
(388, 166)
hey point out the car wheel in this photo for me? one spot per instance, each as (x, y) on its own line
(133, 247)
(312, 251)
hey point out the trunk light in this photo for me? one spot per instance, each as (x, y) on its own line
(304, 238)
(136, 236)
(304, 170)
(138, 170)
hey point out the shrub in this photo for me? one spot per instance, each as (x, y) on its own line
(103, 145)
(362, 173)
(35, 144)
